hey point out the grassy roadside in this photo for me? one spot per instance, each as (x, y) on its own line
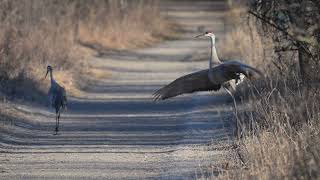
(37, 33)
(280, 126)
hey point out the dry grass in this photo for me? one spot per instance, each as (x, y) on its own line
(243, 42)
(281, 141)
(271, 155)
(37, 33)
(125, 25)
(27, 50)
(280, 126)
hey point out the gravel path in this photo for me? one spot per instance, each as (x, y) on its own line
(116, 131)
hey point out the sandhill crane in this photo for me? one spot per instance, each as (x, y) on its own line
(57, 97)
(218, 75)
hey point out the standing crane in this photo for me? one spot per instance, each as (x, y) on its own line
(220, 74)
(57, 97)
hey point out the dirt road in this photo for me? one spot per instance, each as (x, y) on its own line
(116, 131)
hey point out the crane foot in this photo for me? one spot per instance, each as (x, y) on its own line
(56, 131)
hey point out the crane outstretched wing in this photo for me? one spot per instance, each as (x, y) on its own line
(197, 81)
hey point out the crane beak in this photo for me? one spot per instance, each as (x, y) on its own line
(200, 35)
(46, 74)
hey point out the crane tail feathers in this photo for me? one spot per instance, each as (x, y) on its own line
(251, 72)
(256, 71)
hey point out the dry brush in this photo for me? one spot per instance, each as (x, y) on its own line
(36, 33)
(280, 136)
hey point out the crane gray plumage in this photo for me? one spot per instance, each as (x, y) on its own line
(220, 74)
(57, 97)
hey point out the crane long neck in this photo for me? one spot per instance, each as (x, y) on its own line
(51, 76)
(214, 59)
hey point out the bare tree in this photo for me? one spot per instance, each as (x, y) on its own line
(294, 25)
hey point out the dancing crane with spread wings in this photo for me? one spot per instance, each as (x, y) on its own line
(225, 74)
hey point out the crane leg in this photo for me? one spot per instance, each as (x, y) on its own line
(58, 121)
(235, 112)
(56, 129)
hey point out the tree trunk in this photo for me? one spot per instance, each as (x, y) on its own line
(309, 68)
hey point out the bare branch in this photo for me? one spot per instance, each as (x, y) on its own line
(295, 41)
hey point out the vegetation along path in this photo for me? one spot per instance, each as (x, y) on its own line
(116, 130)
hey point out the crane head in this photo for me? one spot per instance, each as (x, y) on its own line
(49, 68)
(207, 33)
